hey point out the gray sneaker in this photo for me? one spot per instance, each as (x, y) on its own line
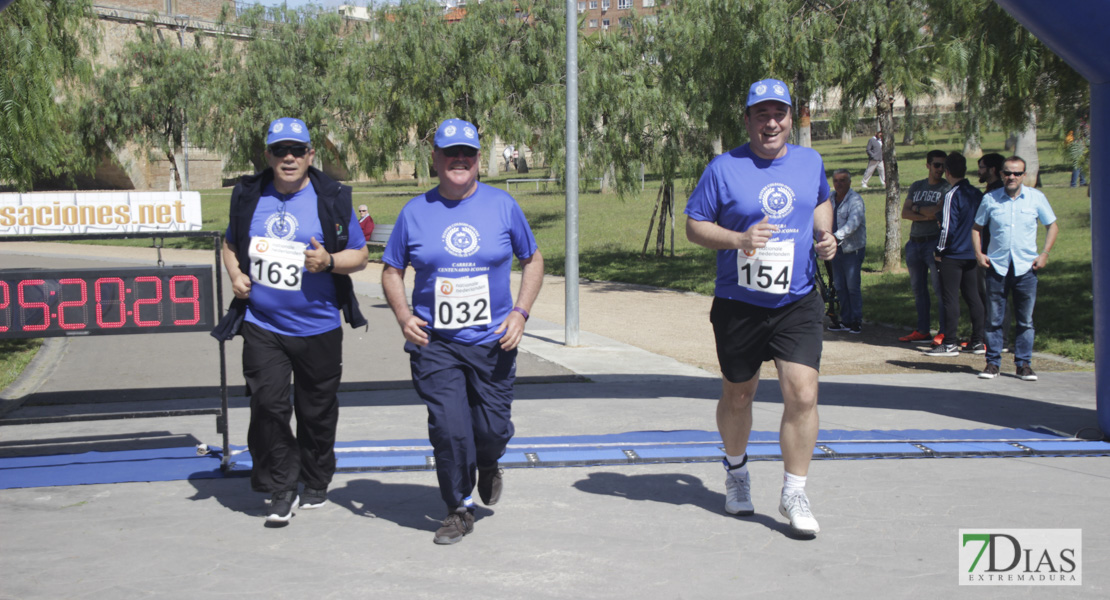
(944, 350)
(458, 523)
(795, 507)
(738, 493)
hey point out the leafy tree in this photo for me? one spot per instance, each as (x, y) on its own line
(44, 47)
(881, 49)
(151, 94)
(500, 68)
(287, 66)
(1006, 74)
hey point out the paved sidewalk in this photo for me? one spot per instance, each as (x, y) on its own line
(889, 527)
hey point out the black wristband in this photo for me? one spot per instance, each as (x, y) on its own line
(331, 263)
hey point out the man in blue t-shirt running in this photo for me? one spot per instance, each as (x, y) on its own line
(463, 329)
(764, 207)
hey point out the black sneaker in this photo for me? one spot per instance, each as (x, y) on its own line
(313, 498)
(838, 326)
(944, 350)
(458, 523)
(855, 328)
(1025, 373)
(979, 348)
(989, 372)
(489, 484)
(281, 506)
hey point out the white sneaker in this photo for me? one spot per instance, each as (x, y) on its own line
(738, 493)
(795, 507)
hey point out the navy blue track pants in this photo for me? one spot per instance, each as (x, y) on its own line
(469, 394)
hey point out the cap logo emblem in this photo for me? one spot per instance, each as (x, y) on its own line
(760, 89)
(778, 90)
(296, 127)
(278, 127)
(449, 131)
(468, 132)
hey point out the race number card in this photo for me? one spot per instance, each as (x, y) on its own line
(275, 263)
(767, 269)
(462, 302)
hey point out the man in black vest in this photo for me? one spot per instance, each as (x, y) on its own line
(292, 240)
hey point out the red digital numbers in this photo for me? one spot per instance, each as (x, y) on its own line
(155, 301)
(193, 299)
(113, 303)
(4, 304)
(122, 300)
(77, 304)
(29, 323)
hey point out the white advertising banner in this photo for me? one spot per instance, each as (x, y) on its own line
(61, 213)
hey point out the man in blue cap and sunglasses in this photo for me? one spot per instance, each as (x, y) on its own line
(292, 240)
(463, 329)
(764, 207)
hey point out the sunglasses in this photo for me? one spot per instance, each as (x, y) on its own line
(937, 165)
(1013, 173)
(282, 151)
(456, 151)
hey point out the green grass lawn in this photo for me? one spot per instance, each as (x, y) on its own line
(612, 232)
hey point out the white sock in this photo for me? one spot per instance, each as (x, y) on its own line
(738, 464)
(792, 484)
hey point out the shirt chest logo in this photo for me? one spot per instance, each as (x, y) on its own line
(460, 239)
(776, 200)
(281, 225)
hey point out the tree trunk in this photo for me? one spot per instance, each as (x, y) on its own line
(494, 159)
(664, 213)
(972, 146)
(908, 124)
(1026, 148)
(884, 106)
(173, 169)
(845, 137)
(651, 221)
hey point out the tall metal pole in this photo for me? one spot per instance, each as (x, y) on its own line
(572, 177)
(183, 23)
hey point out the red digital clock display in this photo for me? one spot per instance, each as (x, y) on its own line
(36, 303)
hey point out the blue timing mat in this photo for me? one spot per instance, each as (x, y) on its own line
(639, 447)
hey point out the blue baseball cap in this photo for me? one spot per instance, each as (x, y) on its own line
(768, 89)
(456, 132)
(287, 129)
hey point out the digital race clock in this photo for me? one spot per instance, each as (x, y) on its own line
(37, 303)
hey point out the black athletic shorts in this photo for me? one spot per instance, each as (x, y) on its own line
(748, 335)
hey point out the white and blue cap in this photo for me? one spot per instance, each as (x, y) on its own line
(456, 132)
(287, 129)
(768, 89)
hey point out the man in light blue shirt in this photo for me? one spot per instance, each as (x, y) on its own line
(1010, 216)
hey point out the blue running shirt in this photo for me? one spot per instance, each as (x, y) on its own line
(468, 243)
(313, 309)
(736, 190)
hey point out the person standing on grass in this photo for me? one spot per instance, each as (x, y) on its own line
(874, 160)
(765, 208)
(292, 241)
(1010, 215)
(850, 231)
(920, 208)
(956, 258)
(463, 329)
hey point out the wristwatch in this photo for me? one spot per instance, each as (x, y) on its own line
(331, 263)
